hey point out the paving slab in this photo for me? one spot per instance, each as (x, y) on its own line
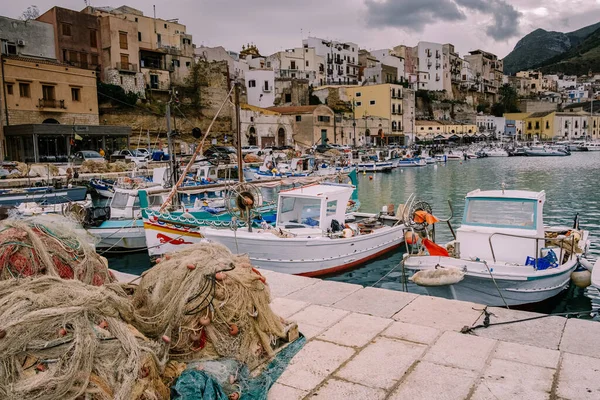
(578, 336)
(461, 351)
(355, 330)
(280, 392)
(579, 378)
(282, 285)
(527, 354)
(325, 292)
(382, 363)
(285, 308)
(439, 313)
(335, 389)
(508, 380)
(320, 316)
(310, 331)
(544, 332)
(374, 301)
(313, 364)
(435, 382)
(412, 333)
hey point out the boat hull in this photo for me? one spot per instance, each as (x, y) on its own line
(286, 255)
(128, 235)
(516, 287)
(45, 196)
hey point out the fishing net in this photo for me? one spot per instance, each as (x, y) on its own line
(61, 339)
(210, 303)
(49, 245)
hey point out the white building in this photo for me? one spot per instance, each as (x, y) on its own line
(260, 87)
(467, 76)
(491, 124)
(431, 68)
(571, 126)
(265, 128)
(301, 63)
(341, 59)
(388, 57)
(576, 95)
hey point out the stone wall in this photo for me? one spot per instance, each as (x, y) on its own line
(297, 89)
(128, 81)
(21, 117)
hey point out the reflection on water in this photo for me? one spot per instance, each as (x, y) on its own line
(571, 185)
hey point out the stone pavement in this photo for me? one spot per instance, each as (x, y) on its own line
(367, 343)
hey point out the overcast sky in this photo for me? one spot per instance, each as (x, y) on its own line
(273, 25)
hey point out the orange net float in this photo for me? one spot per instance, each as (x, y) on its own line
(411, 238)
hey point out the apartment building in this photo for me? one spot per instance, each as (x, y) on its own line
(390, 58)
(430, 66)
(341, 59)
(77, 37)
(260, 87)
(488, 70)
(298, 63)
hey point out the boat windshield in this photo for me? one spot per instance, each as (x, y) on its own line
(302, 211)
(514, 213)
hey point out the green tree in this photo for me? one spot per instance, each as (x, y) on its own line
(508, 98)
(498, 109)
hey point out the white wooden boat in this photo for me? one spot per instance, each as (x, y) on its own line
(310, 236)
(496, 152)
(503, 253)
(592, 146)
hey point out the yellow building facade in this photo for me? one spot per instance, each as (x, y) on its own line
(593, 130)
(540, 126)
(444, 130)
(41, 91)
(384, 101)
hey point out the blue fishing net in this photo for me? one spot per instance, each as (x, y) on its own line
(215, 380)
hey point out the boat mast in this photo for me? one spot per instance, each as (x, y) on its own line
(238, 123)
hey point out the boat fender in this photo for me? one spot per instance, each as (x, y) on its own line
(347, 233)
(411, 237)
(443, 276)
(581, 277)
(586, 264)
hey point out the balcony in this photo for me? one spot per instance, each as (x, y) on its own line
(52, 103)
(81, 64)
(127, 67)
(152, 63)
(266, 89)
(339, 61)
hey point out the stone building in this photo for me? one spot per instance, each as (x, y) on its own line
(487, 69)
(311, 125)
(299, 63)
(291, 92)
(77, 37)
(265, 128)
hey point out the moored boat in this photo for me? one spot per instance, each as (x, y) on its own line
(503, 254)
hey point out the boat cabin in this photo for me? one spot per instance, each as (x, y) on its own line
(313, 207)
(125, 204)
(502, 224)
(212, 173)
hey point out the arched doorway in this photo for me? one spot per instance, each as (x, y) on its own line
(50, 121)
(252, 136)
(281, 137)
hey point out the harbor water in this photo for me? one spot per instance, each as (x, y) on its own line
(571, 185)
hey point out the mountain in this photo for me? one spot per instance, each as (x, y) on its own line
(541, 45)
(578, 60)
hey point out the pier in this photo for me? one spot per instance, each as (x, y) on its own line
(370, 343)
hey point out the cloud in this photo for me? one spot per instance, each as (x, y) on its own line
(415, 15)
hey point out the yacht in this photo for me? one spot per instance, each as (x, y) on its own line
(593, 146)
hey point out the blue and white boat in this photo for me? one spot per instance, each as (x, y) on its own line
(503, 254)
(43, 194)
(411, 162)
(104, 187)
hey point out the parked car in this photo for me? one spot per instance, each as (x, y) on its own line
(134, 156)
(339, 146)
(250, 149)
(87, 155)
(322, 148)
(144, 152)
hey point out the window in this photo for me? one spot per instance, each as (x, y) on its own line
(547, 125)
(292, 64)
(501, 213)
(358, 94)
(123, 40)
(537, 124)
(136, 20)
(176, 63)
(358, 104)
(125, 61)
(94, 59)
(298, 118)
(165, 26)
(266, 85)
(135, 82)
(139, 36)
(9, 88)
(66, 29)
(24, 90)
(251, 83)
(48, 92)
(158, 38)
(76, 94)
(9, 48)
(529, 125)
(73, 56)
(288, 98)
(576, 124)
(307, 63)
(121, 79)
(372, 102)
(93, 38)
(324, 118)
(331, 207)
(188, 63)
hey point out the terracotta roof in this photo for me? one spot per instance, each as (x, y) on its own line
(249, 107)
(294, 109)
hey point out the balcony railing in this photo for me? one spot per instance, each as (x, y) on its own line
(339, 61)
(127, 67)
(52, 103)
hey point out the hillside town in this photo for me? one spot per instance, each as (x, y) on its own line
(106, 73)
